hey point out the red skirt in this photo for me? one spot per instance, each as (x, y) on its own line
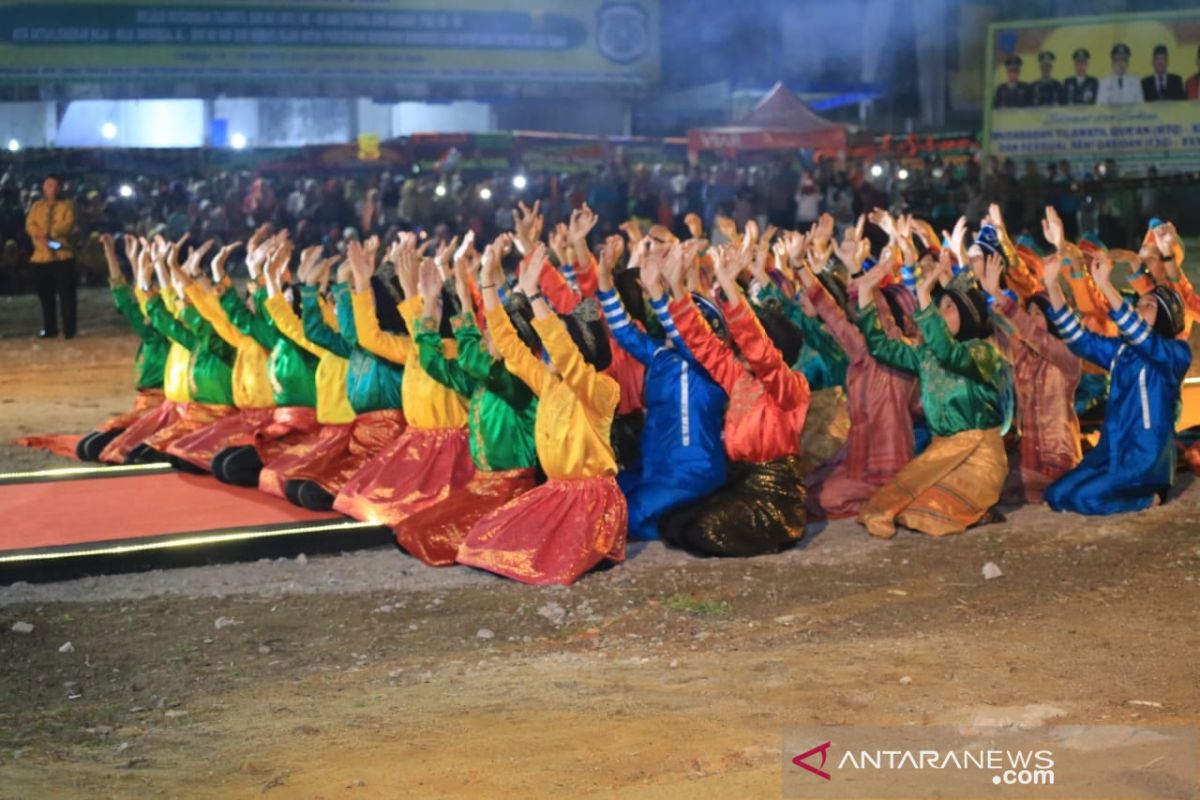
(147, 400)
(551, 534)
(435, 534)
(154, 420)
(333, 455)
(195, 417)
(416, 471)
(269, 430)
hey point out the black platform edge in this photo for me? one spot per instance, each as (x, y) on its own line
(192, 549)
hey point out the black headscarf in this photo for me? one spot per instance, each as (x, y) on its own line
(628, 286)
(520, 312)
(587, 330)
(836, 288)
(974, 321)
(783, 333)
(1169, 321)
(1042, 301)
(386, 310)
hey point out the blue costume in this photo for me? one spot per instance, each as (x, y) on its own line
(1135, 458)
(683, 455)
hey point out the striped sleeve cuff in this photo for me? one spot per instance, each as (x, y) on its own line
(568, 272)
(908, 276)
(1068, 324)
(1131, 325)
(614, 311)
(662, 310)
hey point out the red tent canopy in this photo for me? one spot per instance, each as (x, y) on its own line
(780, 121)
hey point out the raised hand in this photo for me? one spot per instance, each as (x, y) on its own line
(530, 278)
(491, 273)
(430, 286)
(258, 237)
(361, 267)
(192, 265)
(583, 219)
(527, 223)
(1052, 228)
(957, 238)
(993, 268)
(610, 253)
(1101, 267)
(443, 255)
(217, 265)
(633, 230)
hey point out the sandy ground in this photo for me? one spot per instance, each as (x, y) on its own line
(370, 675)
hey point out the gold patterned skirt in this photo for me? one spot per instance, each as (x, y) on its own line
(945, 490)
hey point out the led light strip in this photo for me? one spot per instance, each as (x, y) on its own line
(188, 541)
(69, 472)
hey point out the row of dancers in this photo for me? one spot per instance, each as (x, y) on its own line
(527, 408)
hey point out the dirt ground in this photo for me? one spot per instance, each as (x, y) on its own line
(369, 675)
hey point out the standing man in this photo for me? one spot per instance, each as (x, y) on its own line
(1046, 90)
(1161, 85)
(1013, 93)
(50, 225)
(1119, 89)
(1080, 89)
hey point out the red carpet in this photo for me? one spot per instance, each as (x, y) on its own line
(55, 518)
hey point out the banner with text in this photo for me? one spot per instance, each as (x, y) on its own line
(1085, 89)
(373, 41)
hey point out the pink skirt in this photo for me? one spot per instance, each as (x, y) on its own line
(269, 430)
(334, 454)
(416, 471)
(159, 418)
(435, 534)
(552, 534)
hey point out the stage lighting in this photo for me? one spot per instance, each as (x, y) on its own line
(440, 191)
(520, 182)
(902, 174)
(485, 193)
(13, 145)
(126, 190)
(108, 131)
(876, 170)
(938, 172)
(237, 141)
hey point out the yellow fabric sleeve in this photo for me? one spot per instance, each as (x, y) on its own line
(385, 345)
(517, 358)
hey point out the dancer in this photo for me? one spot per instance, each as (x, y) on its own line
(959, 477)
(879, 397)
(761, 507)
(683, 458)
(1047, 374)
(560, 530)
(175, 365)
(149, 362)
(501, 414)
(1132, 467)
(432, 457)
(235, 449)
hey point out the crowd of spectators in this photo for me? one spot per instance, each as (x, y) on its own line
(779, 191)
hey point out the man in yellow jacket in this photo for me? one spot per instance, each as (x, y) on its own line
(50, 225)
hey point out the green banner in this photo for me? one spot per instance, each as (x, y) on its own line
(600, 41)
